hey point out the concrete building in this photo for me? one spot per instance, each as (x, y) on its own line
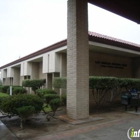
(107, 56)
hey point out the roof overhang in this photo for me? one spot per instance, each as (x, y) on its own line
(93, 37)
(129, 9)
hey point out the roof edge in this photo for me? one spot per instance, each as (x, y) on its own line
(93, 36)
(39, 52)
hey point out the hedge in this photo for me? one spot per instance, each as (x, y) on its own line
(102, 82)
(34, 84)
(60, 82)
(4, 89)
(16, 101)
(45, 91)
(22, 105)
(98, 82)
(17, 90)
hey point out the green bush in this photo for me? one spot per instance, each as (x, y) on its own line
(17, 90)
(4, 89)
(49, 97)
(0, 82)
(64, 99)
(0, 88)
(104, 87)
(42, 92)
(25, 111)
(3, 99)
(55, 104)
(129, 83)
(102, 82)
(16, 101)
(34, 84)
(60, 82)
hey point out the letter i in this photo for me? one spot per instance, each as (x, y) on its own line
(132, 133)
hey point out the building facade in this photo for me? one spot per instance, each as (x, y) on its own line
(108, 56)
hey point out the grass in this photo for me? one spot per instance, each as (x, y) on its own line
(47, 109)
(3, 95)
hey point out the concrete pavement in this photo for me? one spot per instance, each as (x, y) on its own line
(108, 130)
(5, 133)
(111, 130)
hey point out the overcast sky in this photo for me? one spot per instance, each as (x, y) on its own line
(29, 25)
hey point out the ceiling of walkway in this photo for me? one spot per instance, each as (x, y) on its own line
(113, 51)
(129, 9)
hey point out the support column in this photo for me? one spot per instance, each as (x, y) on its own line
(77, 60)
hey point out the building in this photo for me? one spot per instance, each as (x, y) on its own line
(108, 56)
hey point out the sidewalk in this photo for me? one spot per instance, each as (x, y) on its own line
(79, 133)
(5, 133)
(89, 129)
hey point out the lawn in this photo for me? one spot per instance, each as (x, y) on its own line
(3, 95)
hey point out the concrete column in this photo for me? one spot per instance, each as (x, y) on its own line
(77, 60)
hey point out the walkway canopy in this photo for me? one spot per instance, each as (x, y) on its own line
(129, 9)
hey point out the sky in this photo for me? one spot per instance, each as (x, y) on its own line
(30, 25)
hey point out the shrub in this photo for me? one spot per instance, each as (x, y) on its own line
(17, 101)
(129, 83)
(3, 99)
(0, 88)
(60, 82)
(64, 99)
(42, 92)
(4, 89)
(24, 112)
(55, 104)
(23, 105)
(34, 84)
(17, 90)
(49, 97)
(0, 82)
(102, 82)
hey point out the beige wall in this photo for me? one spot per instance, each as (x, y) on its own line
(21, 79)
(41, 74)
(16, 78)
(109, 65)
(35, 70)
(136, 67)
(63, 65)
(117, 66)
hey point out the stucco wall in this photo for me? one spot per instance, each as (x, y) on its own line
(101, 64)
(35, 70)
(16, 78)
(136, 67)
(41, 74)
(63, 65)
(109, 65)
